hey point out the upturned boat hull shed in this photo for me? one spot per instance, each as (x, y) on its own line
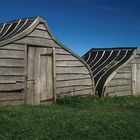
(116, 71)
(35, 67)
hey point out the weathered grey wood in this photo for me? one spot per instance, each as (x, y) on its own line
(70, 76)
(121, 72)
(69, 63)
(12, 62)
(116, 82)
(134, 70)
(67, 73)
(126, 68)
(74, 73)
(11, 96)
(129, 64)
(40, 73)
(73, 93)
(54, 75)
(49, 77)
(43, 78)
(74, 83)
(11, 71)
(13, 46)
(40, 33)
(122, 75)
(57, 61)
(138, 80)
(30, 75)
(46, 51)
(12, 102)
(65, 57)
(61, 51)
(135, 61)
(46, 77)
(37, 42)
(71, 89)
(119, 88)
(36, 72)
(11, 79)
(41, 26)
(30, 91)
(11, 66)
(11, 87)
(11, 54)
(3, 81)
(70, 66)
(121, 93)
(83, 92)
(25, 72)
(72, 70)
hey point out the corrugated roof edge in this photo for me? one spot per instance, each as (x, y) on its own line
(103, 49)
(114, 48)
(13, 21)
(24, 33)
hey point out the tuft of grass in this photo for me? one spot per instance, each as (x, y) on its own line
(73, 118)
(94, 103)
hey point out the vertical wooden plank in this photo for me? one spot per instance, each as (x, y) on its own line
(25, 73)
(37, 84)
(30, 75)
(49, 74)
(43, 77)
(138, 80)
(40, 75)
(134, 79)
(54, 76)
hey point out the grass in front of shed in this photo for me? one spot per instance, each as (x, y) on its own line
(73, 118)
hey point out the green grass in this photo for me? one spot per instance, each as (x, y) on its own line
(73, 118)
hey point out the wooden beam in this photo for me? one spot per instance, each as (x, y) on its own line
(54, 76)
(134, 69)
(25, 72)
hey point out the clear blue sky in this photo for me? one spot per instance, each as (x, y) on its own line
(82, 24)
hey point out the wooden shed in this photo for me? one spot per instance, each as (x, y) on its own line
(35, 67)
(116, 71)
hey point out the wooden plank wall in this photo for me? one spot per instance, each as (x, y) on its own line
(39, 37)
(126, 81)
(136, 75)
(12, 70)
(72, 76)
(121, 84)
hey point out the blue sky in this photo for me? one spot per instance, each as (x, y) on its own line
(82, 24)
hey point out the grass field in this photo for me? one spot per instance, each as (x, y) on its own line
(73, 118)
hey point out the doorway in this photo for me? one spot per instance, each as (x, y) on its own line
(39, 75)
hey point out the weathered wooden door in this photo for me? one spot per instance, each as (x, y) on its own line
(39, 75)
(136, 79)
